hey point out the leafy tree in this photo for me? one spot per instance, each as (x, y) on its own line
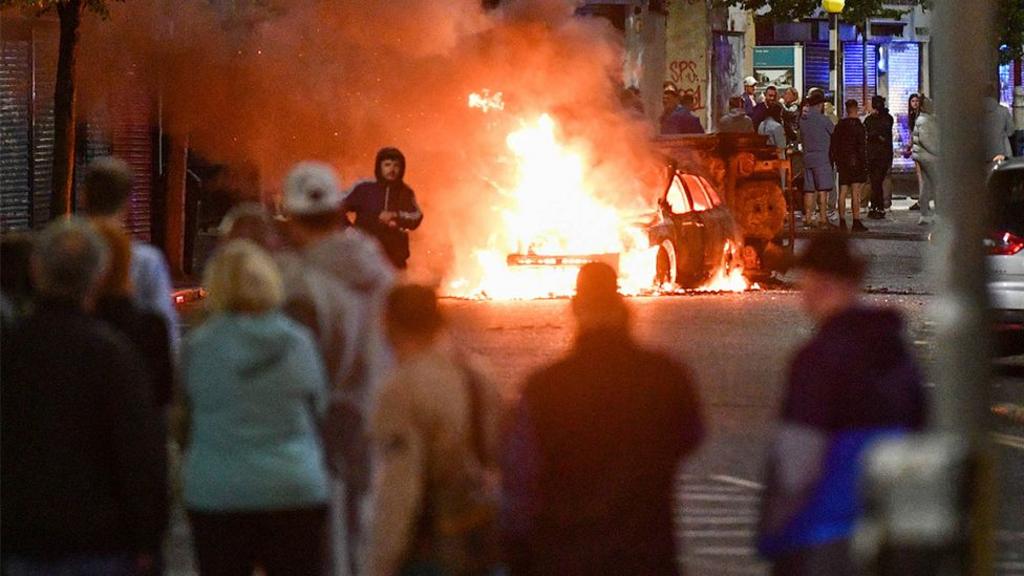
(70, 13)
(856, 11)
(1011, 19)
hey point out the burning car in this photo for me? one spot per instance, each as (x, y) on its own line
(695, 234)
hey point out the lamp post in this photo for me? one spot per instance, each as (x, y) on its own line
(834, 8)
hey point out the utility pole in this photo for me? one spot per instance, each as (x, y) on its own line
(931, 499)
(834, 8)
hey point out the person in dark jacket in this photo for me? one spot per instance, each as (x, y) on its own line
(682, 120)
(849, 153)
(84, 462)
(853, 383)
(146, 330)
(594, 446)
(760, 111)
(386, 208)
(878, 132)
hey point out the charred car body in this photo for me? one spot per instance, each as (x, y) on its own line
(695, 233)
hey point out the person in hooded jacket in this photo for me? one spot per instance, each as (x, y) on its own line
(336, 279)
(853, 383)
(386, 208)
(255, 478)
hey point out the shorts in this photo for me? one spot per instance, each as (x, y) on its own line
(818, 178)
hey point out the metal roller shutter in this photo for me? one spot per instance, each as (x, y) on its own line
(44, 45)
(855, 66)
(132, 141)
(15, 91)
(815, 66)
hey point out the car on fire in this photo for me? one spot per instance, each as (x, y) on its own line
(694, 231)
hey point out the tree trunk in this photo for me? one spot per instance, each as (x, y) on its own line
(64, 109)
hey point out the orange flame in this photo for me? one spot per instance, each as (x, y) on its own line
(550, 222)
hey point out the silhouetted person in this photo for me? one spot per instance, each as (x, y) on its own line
(594, 447)
(84, 460)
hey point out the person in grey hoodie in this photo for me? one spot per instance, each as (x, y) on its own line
(816, 139)
(336, 279)
(925, 150)
(736, 121)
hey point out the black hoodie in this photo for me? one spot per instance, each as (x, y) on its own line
(369, 199)
(879, 135)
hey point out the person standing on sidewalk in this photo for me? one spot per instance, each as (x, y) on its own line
(84, 470)
(926, 155)
(878, 129)
(386, 207)
(816, 139)
(255, 480)
(434, 428)
(736, 120)
(855, 381)
(849, 152)
(594, 447)
(107, 188)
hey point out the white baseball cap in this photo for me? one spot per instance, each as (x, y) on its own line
(750, 81)
(311, 188)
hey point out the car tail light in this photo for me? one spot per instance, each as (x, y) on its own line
(1005, 244)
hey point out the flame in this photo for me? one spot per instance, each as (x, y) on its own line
(550, 221)
(486, 101)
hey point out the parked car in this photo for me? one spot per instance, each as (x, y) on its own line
(694, 231)
(1006, 254)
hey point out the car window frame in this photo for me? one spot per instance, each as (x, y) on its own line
(716, 200)
(685, 195)
(696, 191)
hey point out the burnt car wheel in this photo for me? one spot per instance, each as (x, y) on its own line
(665, 271)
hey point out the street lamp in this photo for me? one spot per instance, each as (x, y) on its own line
(833, 7)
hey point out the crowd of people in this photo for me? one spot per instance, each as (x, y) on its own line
(327, 424)
(857, 150)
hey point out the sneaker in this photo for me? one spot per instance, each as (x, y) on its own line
(916, 207)
(842, 225)
(858, 227)
(877, 215)
(924, 220)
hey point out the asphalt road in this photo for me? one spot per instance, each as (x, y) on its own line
(738, 346)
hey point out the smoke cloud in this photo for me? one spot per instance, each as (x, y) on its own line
(269, 83)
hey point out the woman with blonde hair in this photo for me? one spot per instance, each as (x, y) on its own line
(255, 482)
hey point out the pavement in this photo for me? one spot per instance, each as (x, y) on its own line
(900, 223)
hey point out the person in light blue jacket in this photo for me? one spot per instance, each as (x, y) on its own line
(255, 479)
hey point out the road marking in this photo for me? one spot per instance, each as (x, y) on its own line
(1008, 440)
(718, 533)
(738, 481)
(720, 520)
(719, 498)
(722, 551)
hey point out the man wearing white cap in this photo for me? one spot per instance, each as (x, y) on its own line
(336, 280)
(749, 100)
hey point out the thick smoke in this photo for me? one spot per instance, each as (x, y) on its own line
(271, 83)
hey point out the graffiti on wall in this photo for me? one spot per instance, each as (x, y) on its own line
(686, 51)
(683, 73)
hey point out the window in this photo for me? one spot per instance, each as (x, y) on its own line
(676, 197)
(715, 200)
(700, 199)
